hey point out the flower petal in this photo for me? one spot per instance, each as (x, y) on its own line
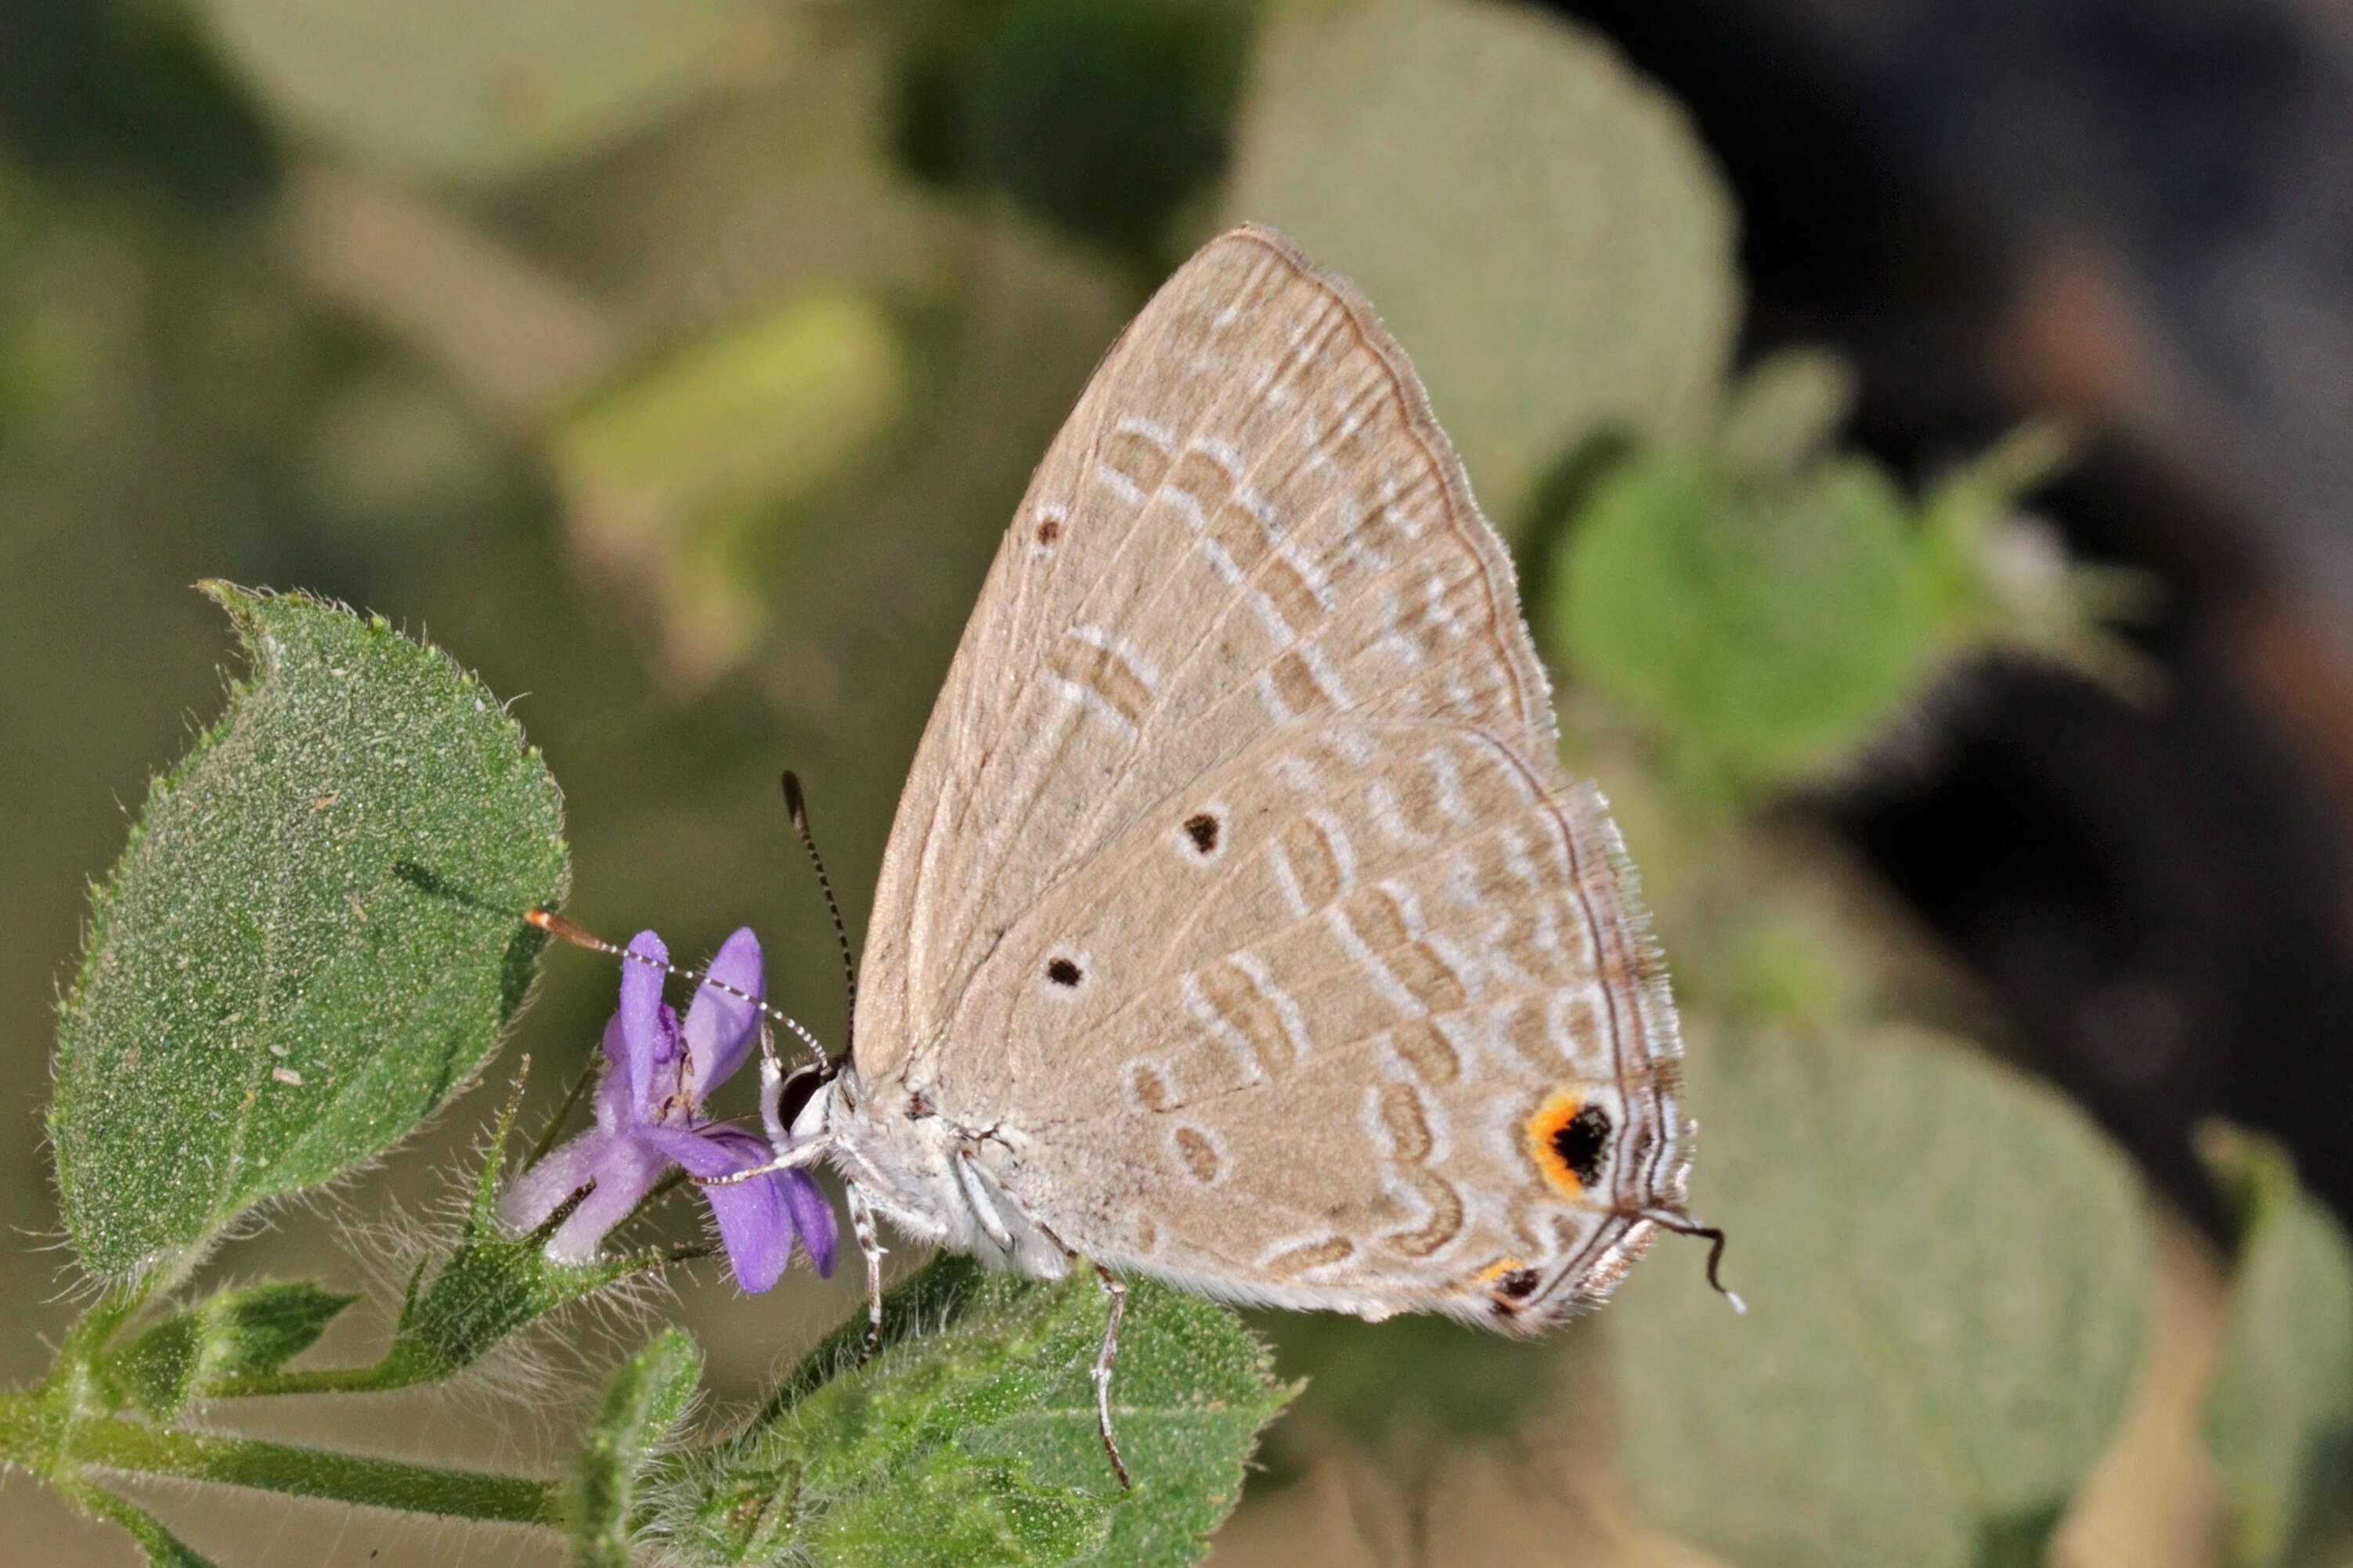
(618, 1108)
(719, 1028)
(701, 1152)
(812, 1216)
(624, 1169)
(641, 1037)
(757, 1228)
(805, 1201)
(534, 1194)
(628, 1172)
(755, 1224)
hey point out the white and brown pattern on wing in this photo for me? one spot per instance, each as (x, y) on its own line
(1408, 986)
(1256, 410)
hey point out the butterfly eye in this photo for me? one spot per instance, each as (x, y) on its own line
(799, 1087)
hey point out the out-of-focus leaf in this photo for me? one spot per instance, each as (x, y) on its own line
(314, 938)
(243, 1333)
(20, 388)
(484, 89)
(1767, 632)
(1997, 575)
(1766, 618)
(1947, 1269)
(647, 1397)
(782, 192)
(137, 93)
(397, 456)
(664, 473)
(510, 331)
(971, 1439)
(65, 327)
(1786, 411)
(1100, 116)
(1414, 1376)
(1539, 227)
(2279, 1411)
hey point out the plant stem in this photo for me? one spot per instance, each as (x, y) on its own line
(28, 1436)
(381, 1377)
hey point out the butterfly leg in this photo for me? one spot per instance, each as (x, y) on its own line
(984, 1207)
(793, 1159)
(771, 1090)
(1115, 1291)
(869, 1246)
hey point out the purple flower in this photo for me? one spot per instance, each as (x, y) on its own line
(650, 1118)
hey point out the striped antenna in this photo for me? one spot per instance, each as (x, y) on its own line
(796, 807)
(562, 930)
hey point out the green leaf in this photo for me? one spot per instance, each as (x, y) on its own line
(483, 90)
(1769, 617)
(246, 1332)
(1786, 412)
(1767, 632)
(2279, 1411)
(490, 1284)
(648, 1396)
(1947, 1270)
(1998, 575)
(312, 939)
(971, 1438)
(164, 1549)
(666, 474)
(1539, 226)
(260, 1328)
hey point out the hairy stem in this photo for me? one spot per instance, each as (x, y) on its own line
(34, 1435)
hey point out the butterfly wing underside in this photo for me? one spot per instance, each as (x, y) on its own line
(1236, 888)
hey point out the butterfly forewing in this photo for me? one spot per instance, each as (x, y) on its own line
(1238, 820)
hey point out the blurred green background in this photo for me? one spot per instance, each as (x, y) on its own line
(676, 363)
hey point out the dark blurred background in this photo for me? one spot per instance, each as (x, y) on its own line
(276, 307)
(2139, 212)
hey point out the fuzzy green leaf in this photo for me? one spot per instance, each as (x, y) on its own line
(1948, 1271)
(1539, 226)
(647, 1397)
(163, 1549)
(312, 940)
(971, 1438)
(490, 1285)
(1766, 631)
(246, 1332)
(2279, 1412)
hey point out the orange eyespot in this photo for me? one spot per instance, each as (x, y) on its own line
(1570, 1141)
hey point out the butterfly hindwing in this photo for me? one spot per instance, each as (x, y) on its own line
(1308, 1028)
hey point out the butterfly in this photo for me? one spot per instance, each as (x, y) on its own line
(1238, 926)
